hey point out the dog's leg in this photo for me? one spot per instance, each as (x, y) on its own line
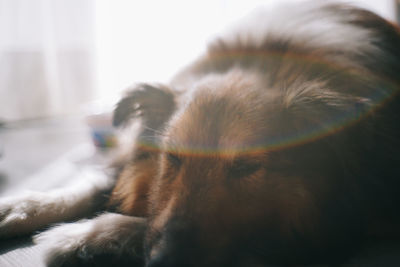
(33, 210)
(117, 236)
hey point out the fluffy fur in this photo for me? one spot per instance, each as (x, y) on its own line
(278, 146)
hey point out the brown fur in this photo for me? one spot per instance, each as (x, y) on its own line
(226, 184)
(131, 190)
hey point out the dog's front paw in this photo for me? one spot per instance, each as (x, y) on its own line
(65, 244)
(22, 215)
(153, 103)
(106, 239)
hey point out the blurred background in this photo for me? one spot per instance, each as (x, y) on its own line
(63, 65)
(58, 55)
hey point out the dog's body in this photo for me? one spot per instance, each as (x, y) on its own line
(280, 145)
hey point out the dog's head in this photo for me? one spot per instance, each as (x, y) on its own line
(236, 183)
(263, 159)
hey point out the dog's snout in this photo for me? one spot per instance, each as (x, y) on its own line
(169, 256)
(165, 259)
(174, 246)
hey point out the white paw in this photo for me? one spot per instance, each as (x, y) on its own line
(65, 242)
(23, 214)
(84, 240)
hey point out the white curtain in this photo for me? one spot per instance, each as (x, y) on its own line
(46, 57)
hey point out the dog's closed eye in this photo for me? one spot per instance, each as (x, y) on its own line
(243, 168)
(174, 160)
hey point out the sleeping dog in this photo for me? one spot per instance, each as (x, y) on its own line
(279, 145)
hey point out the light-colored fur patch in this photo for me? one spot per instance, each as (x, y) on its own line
(108, 233)
(33, 210)
(305, 23)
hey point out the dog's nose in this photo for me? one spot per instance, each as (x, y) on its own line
(166, 260)
(174, 246)
(159, 263)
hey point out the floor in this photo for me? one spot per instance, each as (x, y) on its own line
(40, 155)
(33, 151)
(27, 147)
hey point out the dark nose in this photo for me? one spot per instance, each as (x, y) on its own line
(175, 247)
(163, 261)
(169, 258)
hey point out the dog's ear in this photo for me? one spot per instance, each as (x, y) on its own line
(153, 103)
